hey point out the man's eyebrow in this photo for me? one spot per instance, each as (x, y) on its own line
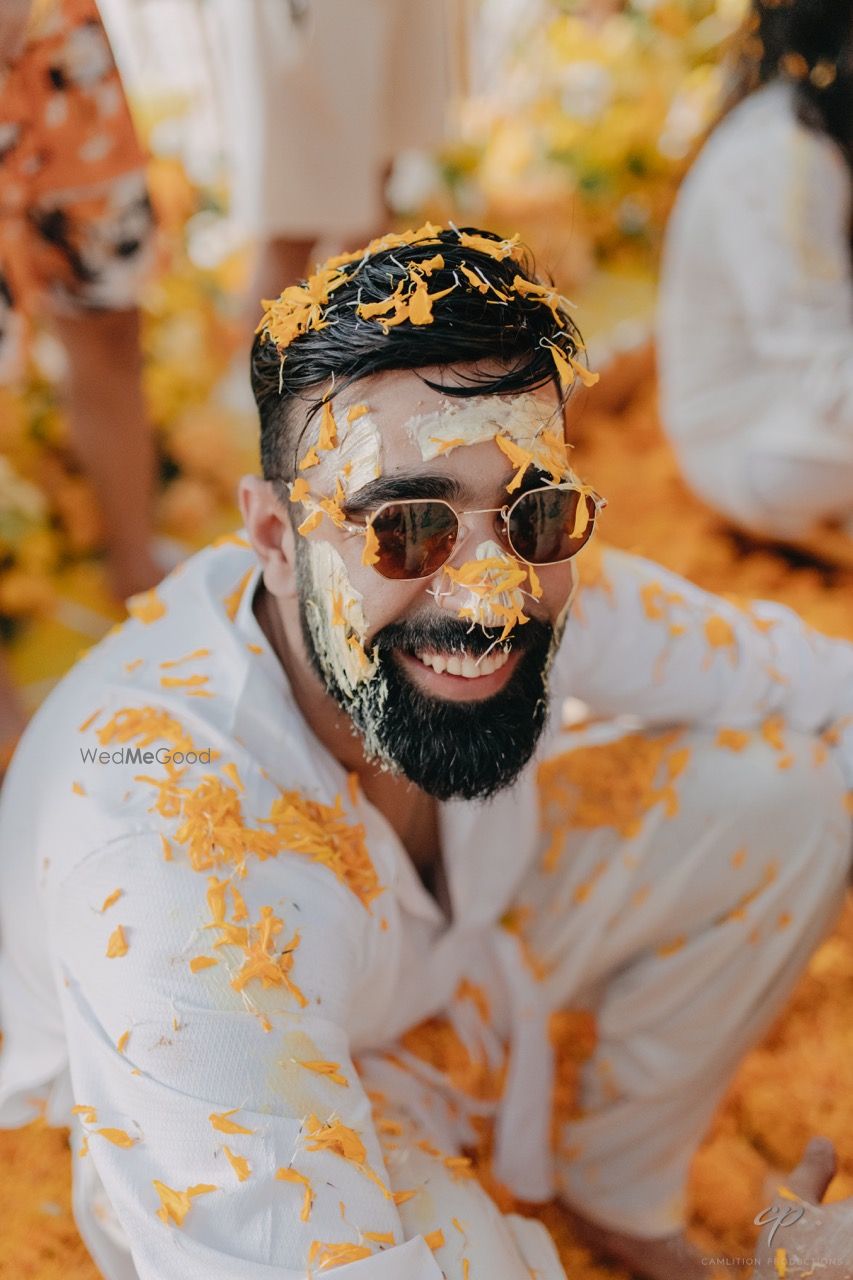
(396, 488)
(429, 485)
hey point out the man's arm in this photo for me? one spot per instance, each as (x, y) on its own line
(670, 1258)
(205, 1016)
(644, 642)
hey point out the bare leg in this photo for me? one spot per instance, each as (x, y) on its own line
(598, 11)
(280, 262)
(112, 436)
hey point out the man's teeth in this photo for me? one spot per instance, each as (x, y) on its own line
(463, 664)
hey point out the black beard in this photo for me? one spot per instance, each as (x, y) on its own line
(464, 750)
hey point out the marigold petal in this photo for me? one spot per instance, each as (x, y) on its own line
(117, 1137)
(117, 945)
(239, 1164)
(222, 1121)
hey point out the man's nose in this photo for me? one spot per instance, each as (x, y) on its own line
(476, 531)
(481, 589)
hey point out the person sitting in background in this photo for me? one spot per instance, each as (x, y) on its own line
(76, 241)
(756, 302)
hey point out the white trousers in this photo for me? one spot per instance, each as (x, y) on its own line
(770, 491)
(317, 108)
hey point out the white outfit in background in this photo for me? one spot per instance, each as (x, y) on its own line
(756, 322)
(682, 925)
(317, 106)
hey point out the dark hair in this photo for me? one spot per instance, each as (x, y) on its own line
(810, 43)
(470, 325)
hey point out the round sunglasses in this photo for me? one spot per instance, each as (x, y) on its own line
(415, 537)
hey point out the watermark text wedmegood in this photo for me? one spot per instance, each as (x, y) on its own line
(136, 755)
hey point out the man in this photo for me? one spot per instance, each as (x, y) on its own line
(354, 911)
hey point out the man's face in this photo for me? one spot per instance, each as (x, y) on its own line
(443, 677)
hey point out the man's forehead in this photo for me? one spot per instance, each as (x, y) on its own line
(394, 422)
(398, 395)
(415, 419)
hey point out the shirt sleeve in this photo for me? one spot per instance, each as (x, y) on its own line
(205, 1013)
(785, 243)
(644, 642)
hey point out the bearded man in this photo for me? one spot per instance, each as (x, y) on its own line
(307, 892)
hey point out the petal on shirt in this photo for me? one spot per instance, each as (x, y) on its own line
(222, 1121)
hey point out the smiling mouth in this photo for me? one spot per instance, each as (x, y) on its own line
(465, 665)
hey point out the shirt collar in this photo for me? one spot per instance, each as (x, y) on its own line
(487, 846)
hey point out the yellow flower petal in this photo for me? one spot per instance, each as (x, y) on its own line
(370, 554)
(588, 378)
(328, 428)
(309, 525)
(175, 1205)
(517, 456)
(117, 944)
(327, 1256)
(311, 459)
(239, 1164)
(291, 1175)
(473, 279)
(147, 607)
(231, 602)
(117, 1137)
(493, 248)
(331, 1070)
(221, 1120)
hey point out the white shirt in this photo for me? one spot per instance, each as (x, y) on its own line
(158, 1046)
(756, 305)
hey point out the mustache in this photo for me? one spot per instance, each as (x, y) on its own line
(455, 635)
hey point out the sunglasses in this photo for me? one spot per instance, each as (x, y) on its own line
(416, 536)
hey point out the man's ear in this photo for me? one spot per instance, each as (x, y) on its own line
(271, 533)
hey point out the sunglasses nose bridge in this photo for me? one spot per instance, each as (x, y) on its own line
(470, 535)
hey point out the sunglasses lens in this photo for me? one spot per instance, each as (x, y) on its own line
(414, 538)
(551, 524)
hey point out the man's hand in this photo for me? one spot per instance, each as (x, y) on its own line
(668, 1258)
(818, 1242)
(14, 15)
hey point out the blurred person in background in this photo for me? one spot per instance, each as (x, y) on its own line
(321, 95)
(756, 308)
(76, 239)
(600, 10)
